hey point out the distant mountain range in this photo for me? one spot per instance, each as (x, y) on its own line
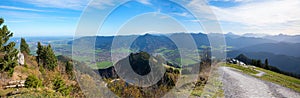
(276, 38)
(147, 42)
(284, 38)
(281, 50)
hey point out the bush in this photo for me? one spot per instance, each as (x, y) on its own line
(10, 72)
(69, 68)
(32, 82)
(60, 86)
(66, 90)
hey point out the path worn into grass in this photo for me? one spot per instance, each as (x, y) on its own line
(239, 85)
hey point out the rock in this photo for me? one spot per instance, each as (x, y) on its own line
(21, 59)
(235, 61)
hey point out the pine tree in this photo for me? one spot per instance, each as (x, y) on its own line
(51, 59)
(259, 64)
(8, 53)
(39, 52)
(267, 64)
(46, 56)
(24, 46)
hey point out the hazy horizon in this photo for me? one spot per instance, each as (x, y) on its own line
(60, 18)
(246, 34)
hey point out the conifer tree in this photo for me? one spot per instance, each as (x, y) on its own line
(8, 54)
(50, 61)
(39, 52)
(24, 46)
(46, 56)
(69, 67)
(267, 64)
(259, 64)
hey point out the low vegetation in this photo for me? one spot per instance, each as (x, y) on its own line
(60, 86)
(33, 82)
(281, 79)
(101, 65)
(247, 70)
(211, 87)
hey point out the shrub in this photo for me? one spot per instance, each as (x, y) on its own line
(60, 86)
(66, 90)
(69, 68)
(32, 82)
(10, 72)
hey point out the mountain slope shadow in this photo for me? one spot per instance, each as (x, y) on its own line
(141, 63)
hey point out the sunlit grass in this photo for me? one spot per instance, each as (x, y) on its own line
(286, 81)
(101, 65)
(246, 70)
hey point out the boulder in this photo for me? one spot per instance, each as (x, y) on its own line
(21, 59)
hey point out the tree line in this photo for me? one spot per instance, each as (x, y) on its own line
(9, 54)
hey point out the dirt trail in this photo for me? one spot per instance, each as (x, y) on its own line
(239, 85)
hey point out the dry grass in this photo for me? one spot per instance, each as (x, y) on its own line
(208, 83)
(31, 67)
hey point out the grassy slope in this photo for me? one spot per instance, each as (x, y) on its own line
(250, 71)
(32, 68)
(283, 80)
(102, 65)
(286, 81)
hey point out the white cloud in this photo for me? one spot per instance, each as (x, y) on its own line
(261, 13)
(20, 8)
(17, 21)
(67, 4)
(232, 0)
(264, 16)
(272, 16)
(75, 4)
(146, 2)
(184, 14)
(102, 4)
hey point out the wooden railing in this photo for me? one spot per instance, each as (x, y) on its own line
(15, 84)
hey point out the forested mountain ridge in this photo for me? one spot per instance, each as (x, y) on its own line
(282, 54)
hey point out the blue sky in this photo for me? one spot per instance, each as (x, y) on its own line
(61, 17)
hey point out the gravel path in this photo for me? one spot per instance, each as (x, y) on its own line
(239, 85)
(261, 73)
